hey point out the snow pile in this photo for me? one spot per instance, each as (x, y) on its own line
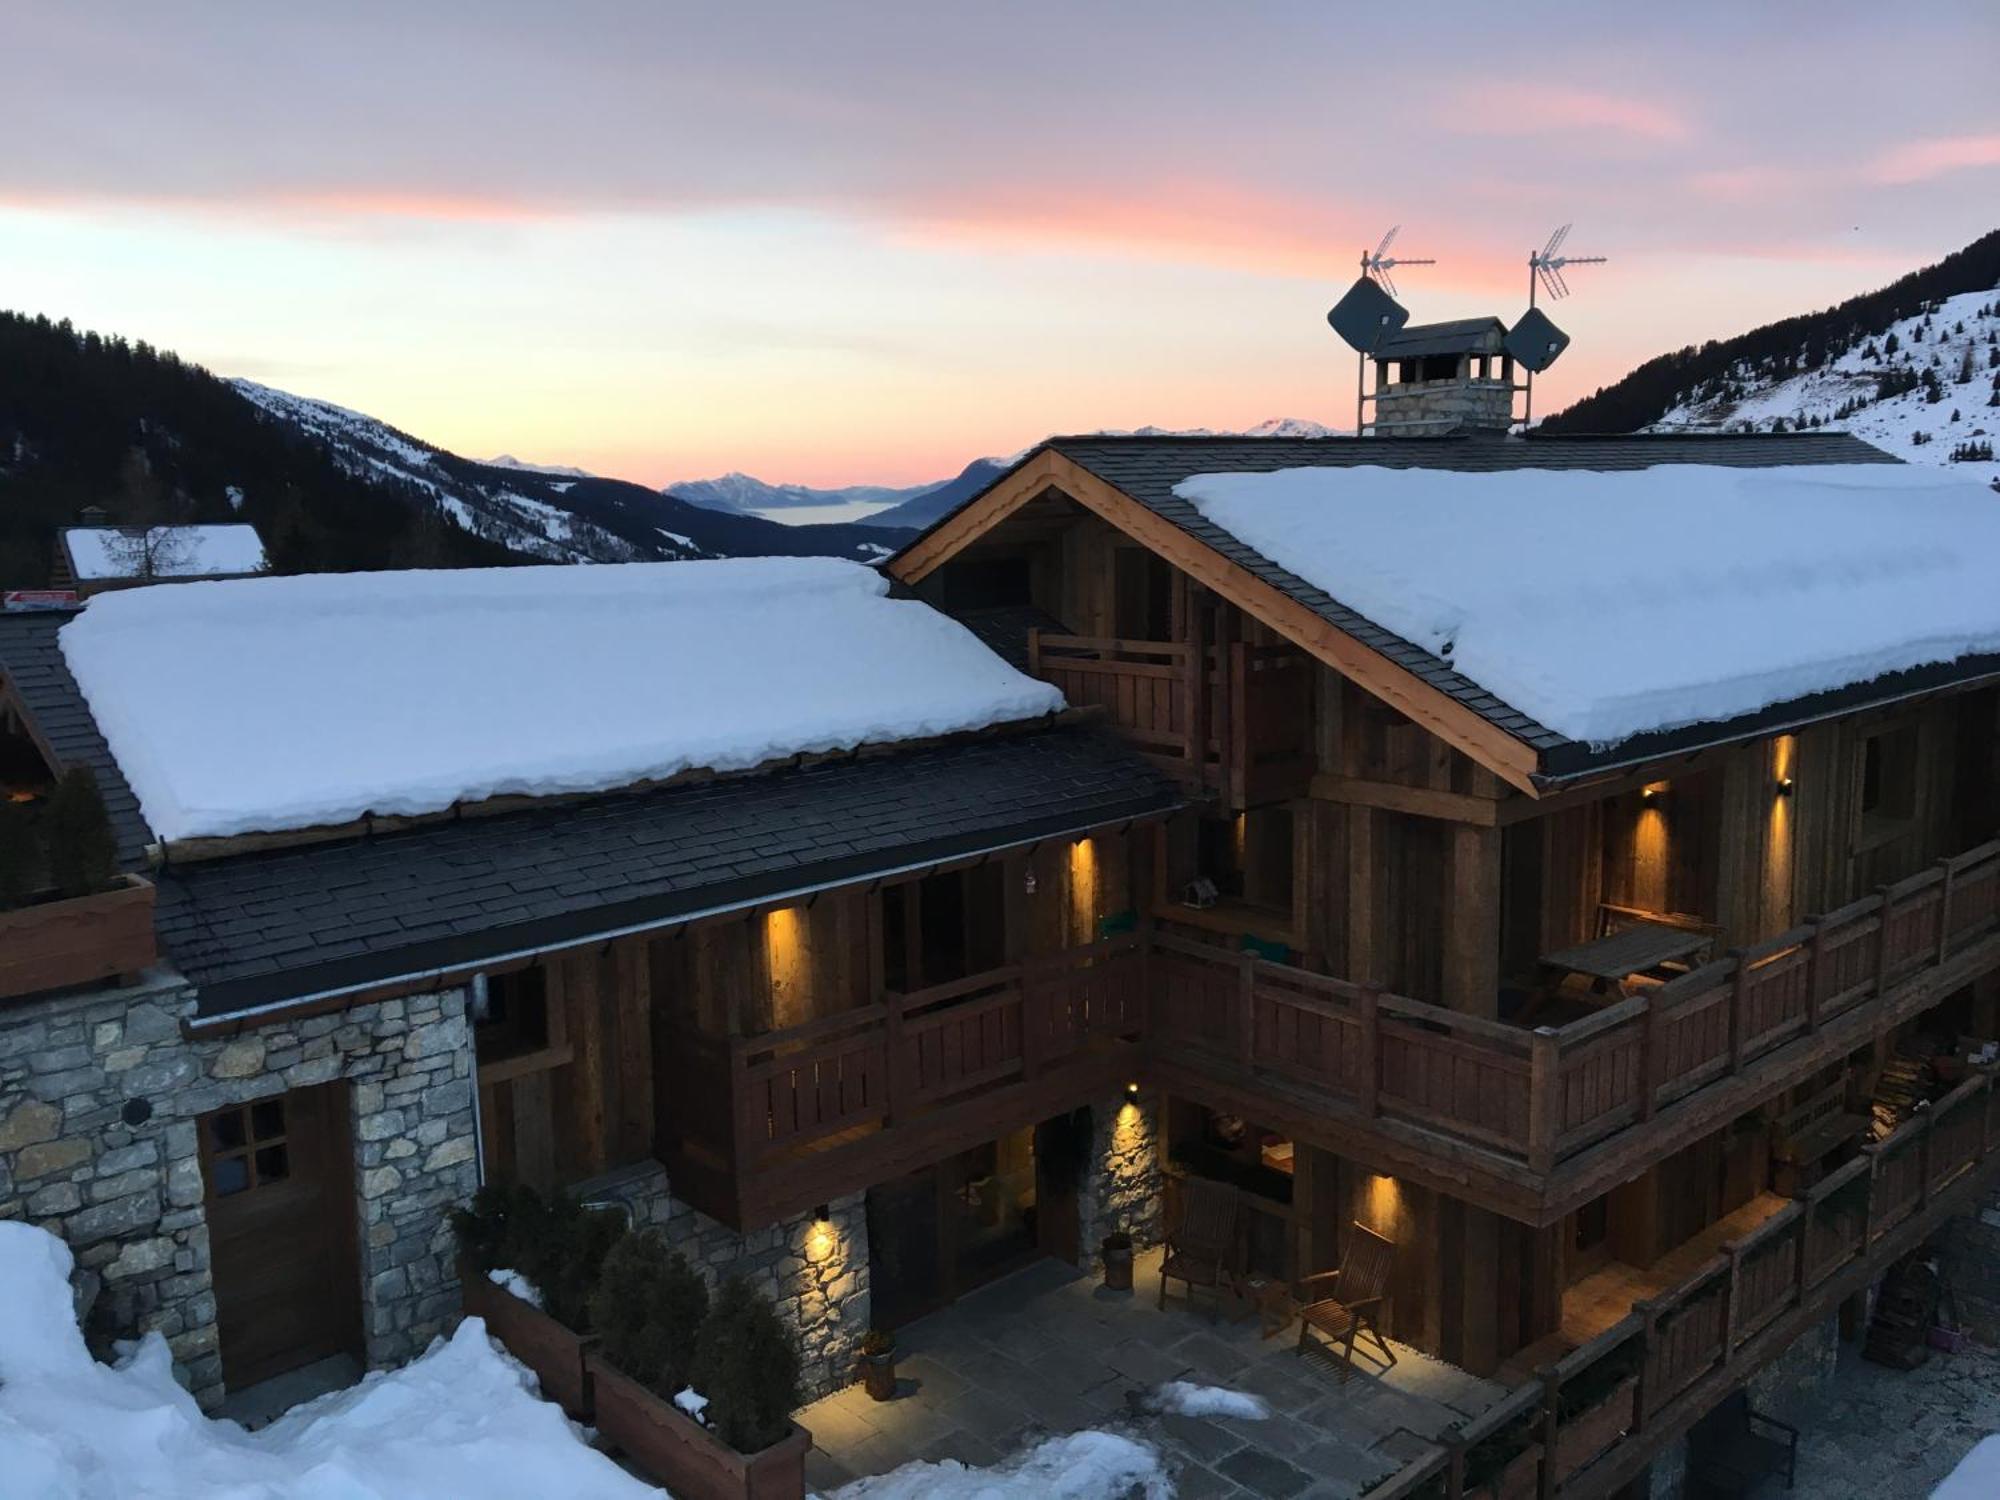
(99, 552)
(1607, 604)
(1082, 1466)
(1191, 1400)
(1977, 1476)
(517, 1284)
(462, 1420)
(281, 703)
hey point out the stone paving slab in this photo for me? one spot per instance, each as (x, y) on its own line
(1049, 1351)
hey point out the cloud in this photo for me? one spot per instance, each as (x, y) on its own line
(1516, 109)
(1920, 161)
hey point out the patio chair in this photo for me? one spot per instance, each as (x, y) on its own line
(1358, 1289)
(1202, 1241)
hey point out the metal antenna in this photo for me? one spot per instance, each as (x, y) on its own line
(1381, 263)
(1545, 270)
(1378, 265)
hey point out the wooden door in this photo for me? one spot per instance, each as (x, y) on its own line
(279, 1177)
(906, 1263)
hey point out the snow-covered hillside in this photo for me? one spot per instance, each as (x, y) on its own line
(1927, 390)
(510, 505)
(748, 495)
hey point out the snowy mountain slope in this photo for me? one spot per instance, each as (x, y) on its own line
(1927, 389)
(560, 471)
(551, 514)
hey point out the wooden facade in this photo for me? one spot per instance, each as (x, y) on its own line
(1388, 1010)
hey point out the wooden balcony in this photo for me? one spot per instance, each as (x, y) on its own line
(1588, 1423)
(1235, 719)
(1537, 1122)
(756, 1128)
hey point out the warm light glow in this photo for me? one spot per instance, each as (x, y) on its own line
(1653, 792)
(1083, 889)
(1385, 1203)
(820, 1242)
(785, 960)
(1778, 843)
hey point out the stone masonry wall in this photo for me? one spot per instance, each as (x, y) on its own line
(99, 1101)
(815, 1274)
(1121, 1186)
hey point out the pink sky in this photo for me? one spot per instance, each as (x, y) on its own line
(845, 244)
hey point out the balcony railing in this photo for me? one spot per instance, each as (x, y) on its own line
(745, 1105)
(1537, 1098)
(1593, 1417)
(1236, 721)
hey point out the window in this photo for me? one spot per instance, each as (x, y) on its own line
(1249, 857)
(25, 774)
(247, 1148)
(1888, 782)
(512, 1018)
(943, 927)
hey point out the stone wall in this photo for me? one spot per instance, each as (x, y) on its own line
(1472, 405)
(1121, 1186)
(815, 1274)
(1969, 1252)
(99, 1100)
(1787, 1388)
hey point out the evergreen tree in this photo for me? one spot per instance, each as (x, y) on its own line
(648, 1310)
(83, 856)
(747, 1364)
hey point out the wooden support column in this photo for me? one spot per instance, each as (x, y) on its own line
(1471, 934)
(1364, 958)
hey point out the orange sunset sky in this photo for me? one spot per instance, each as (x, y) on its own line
(866, 243)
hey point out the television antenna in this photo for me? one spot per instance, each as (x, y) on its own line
(1545, 273)
(1381, 263)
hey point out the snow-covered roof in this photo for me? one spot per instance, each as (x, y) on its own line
(282, 703)
(102, 552)
(1607, 604)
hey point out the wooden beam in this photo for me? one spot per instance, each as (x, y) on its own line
(1408, 694)
(1422, 802)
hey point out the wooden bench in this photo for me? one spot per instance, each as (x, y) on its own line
(1804, 1135)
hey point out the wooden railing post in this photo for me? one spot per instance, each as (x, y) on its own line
(1034, 651)
(1369, 1008)
(1732, 1295)
(1874, 1156)
(1649, 1316)
(1649, 1056)
(1038, 1014)
(1544, 1102)
(1882, 943)
(1944, 908)
(1924, 1134)
(1195, 671)
(892, 1069)
(1818, 972)
(1738, 990)
(1239, 722)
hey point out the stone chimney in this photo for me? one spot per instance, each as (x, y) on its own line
(1434, 378)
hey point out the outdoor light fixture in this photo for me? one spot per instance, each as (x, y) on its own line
(1028, 882)
(820, 1214)
(1131, 1091)
(1653, 793)
(1786, 786)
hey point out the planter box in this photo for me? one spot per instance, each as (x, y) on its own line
(1580, 1440)
(684, 1457)
(537, 1340)
(84, 940)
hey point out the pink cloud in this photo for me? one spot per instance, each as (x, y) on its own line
(1920, 161)
(1514, 109)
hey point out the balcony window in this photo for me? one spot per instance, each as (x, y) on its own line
(1888, 784)
(511, 1019)
(942, 928)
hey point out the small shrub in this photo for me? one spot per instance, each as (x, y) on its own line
(556, 1243)
(747, 1364)
(648, 1310)
(496, 1232)
(83, 858)
(876, 1343)
(1117, 1241)
(20, 854)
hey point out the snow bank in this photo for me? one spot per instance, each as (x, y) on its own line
(516, 1283)
(1081, 1466)
(278, 703)
(1977, 1476)
(462, 1420)
(1192, 1400)
(1607, 604)
(176, 551)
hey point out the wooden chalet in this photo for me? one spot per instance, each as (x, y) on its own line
(1671, 1032)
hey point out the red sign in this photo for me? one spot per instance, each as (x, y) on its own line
(38, 599)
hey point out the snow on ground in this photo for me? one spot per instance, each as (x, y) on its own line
(1909, 425)
(1191, 1400)
(1607, 604)
(462, 1420)
(1977, 1476)
(278, 703)
(1080, 1466)
(171, 551)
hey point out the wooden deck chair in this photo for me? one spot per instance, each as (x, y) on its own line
(1202, 1239)
(1358, 1290)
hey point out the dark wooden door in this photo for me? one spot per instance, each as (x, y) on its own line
(907, 1268)
(280, 1183)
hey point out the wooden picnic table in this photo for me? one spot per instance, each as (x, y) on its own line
(1636, 949)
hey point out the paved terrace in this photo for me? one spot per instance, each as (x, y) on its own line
(1048, 1351)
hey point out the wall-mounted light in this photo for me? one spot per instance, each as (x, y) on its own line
(1028, 881)
(1786, 786)
(1131, 1091)
(821, 1215)
(1653, 793)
